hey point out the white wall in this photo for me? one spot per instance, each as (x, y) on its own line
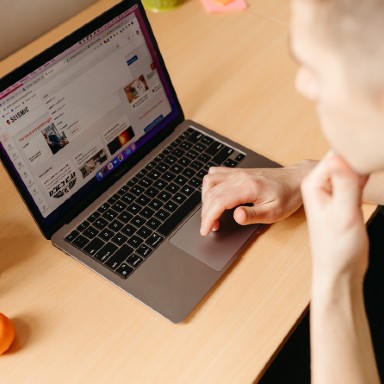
(21, 21)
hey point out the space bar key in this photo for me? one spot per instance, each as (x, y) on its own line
(178, 216)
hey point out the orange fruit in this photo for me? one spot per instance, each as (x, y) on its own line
(7, 333)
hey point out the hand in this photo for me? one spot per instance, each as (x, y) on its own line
(274, 192)
(332, 195)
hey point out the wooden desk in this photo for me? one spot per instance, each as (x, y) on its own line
(233, 73)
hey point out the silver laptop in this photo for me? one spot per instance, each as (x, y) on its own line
(95, 140)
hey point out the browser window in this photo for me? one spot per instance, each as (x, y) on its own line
(81, 114)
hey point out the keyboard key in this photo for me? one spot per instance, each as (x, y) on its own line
(144, 232)
(106, 234)
(195, 136)
(150, 166)
(168, 176)
(189, 172)
(214, 148)
(223, 155)
(124, 270)
(178, 153)
(106, 252)
(154, 175)
(135, 241)
(100, 223)
(132, 182)
(147, 212)
(167, 150)
(154, 240)
(153, 223)
(141, 174)
(72, 236)
(177, 169)
(181, 180)
(119, 206)
(128, 198)
(125, 217)
(138, 221)
(195, 182)
(137, 190)
(155, 204)
(128, 230)
(116, 225)
(110, 215)
(179, 198)
(171, 206)
(134, 260)
(204, 158)
(103, 207)
(176, 142)
(207, 140)
(164, 196)
(186, 145)
(134, 208)
(162, 167)
(197, 165)
(113, 199)
(230, 163)
(117, 258)
(187, 190)
(144, 251)
(152, 191)
(159, 157)
(90, 232)
(185, 161)
(192, 154)
(92, 247)
(173, 188)
(160, 184)
(83, 226)
(119, 239)
(200, 175)
(186, 133)
(93, 217)
(240, 157)
(145, 182)
(143, 200)
(170, 159)
(122, 190)
(200, 147)
(162, 215)
(80, 241)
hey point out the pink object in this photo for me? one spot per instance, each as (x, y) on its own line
(213, 6)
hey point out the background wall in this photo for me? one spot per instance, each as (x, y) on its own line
(21, 21)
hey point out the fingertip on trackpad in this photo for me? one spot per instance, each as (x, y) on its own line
(218, 248)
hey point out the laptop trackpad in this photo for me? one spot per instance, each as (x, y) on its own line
(218, 248)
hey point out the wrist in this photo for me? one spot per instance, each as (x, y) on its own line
(331, 288)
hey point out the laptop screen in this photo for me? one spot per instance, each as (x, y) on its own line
(82, 112)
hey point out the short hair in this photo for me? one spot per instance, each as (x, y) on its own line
(355, 29)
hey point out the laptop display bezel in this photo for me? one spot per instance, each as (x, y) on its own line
(49, 54)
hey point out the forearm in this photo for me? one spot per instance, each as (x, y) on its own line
(341, 346)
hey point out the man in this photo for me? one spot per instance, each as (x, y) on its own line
(338, 46)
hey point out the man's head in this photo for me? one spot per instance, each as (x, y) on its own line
(338, 45)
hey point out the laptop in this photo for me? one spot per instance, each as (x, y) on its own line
(95, 140)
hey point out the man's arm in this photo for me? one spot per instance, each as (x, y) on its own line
(341, 347)
(274, 192)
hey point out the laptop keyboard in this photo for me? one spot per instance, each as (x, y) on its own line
(125, 229)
